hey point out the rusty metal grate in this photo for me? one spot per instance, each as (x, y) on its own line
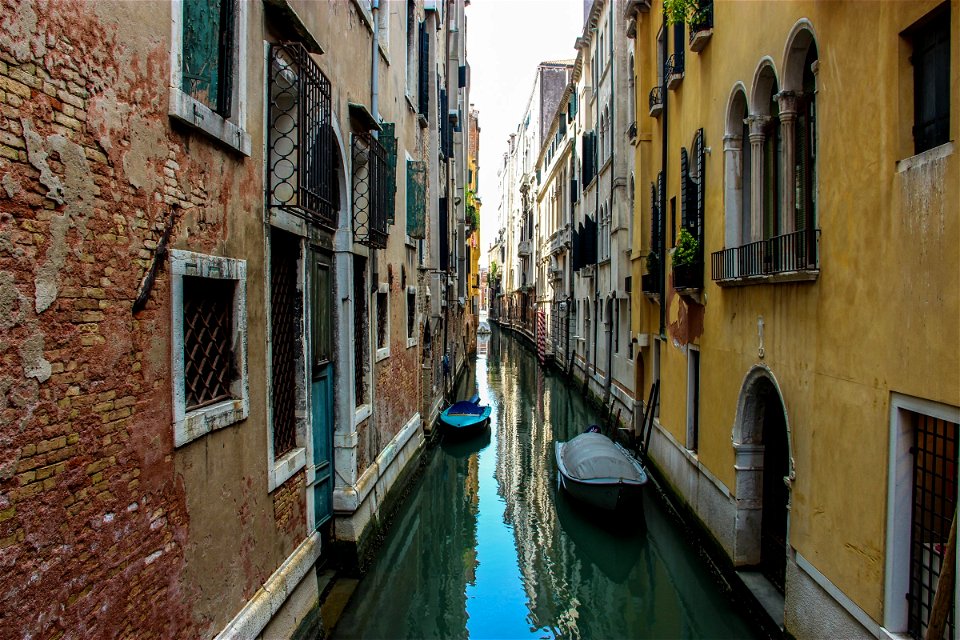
(382, 310)
(285, 306)
(207, 338)
(360, 334)
(934, 505)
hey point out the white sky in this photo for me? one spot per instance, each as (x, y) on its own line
(506, 40)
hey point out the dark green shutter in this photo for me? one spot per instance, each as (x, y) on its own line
(684, 188)
(416, 199)
(201, 50)
(389, 142)
(701, 182)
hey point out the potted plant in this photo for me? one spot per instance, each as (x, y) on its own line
(687, 265)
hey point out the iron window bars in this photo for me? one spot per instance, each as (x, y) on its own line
(701, 20)
(655, 101)
(301, 146)
(207, 340)
(372, 190)
(286, 307)
(934, 505)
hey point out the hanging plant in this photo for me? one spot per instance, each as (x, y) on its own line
(653, 262)
(687, 251)
(680, 10)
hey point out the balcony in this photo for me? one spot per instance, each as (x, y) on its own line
(688, 278)
(632, 132)
(650, 281)
(792, 257)
(674, 69)
(524, 248)
(656, 101)
(559, 240)
(701, 26)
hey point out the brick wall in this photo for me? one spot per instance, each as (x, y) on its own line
(92, 515)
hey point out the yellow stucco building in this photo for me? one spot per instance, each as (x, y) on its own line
(796, 280)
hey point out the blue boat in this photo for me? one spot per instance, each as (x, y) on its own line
(466, 416)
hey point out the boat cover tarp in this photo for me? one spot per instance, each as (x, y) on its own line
(593, 455)
(465, 408)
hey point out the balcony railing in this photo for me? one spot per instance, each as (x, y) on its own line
(524, 248)
(687, 277)
(701, 26)
(656, 101)
(796, 253)
(674, 69)
(650, 282)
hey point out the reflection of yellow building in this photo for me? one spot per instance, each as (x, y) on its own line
(811, 337)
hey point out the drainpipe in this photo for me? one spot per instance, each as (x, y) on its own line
(613, 172)
(375, 62)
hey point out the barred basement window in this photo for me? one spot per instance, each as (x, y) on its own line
(411, 315)
(361, 335)
(209, 343)
(207, 333)
(934, 508)
(383, 325)
(286, 311)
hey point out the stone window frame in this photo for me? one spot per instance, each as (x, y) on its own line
(190, 425)
(899, 508)
(186, 109)
(412, 337)
(383, 352)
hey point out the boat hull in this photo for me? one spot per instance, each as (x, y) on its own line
(466, 423)
(602, 493)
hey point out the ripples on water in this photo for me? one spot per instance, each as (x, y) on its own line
(486, 547)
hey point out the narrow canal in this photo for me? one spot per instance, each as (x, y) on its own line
(486, 547)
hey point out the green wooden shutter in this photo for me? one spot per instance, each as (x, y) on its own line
(416, 199)
(684, 188)
(201, 48)
(389, 142)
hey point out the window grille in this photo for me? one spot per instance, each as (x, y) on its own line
(382, 311)
(302, 149)
(372, 190)
(207, 340)
(423, 84)
(934, 504)
(411, 314)
(285, 314)
(361, 337)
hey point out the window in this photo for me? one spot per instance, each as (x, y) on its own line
(360, 331)
(207, 70)
(930, 41)
(416, 198)
(412, 316)
(921, 506)
(693, 397)
(383, 25)
(301, 146)
(286, 313)
(210, 389)
(383, 321)
(374, 184)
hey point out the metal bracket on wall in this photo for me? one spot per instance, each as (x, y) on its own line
(146, 285)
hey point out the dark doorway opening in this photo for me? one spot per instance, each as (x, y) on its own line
(776, 467)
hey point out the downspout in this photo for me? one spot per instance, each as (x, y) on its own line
(596, 212)
(375, 63)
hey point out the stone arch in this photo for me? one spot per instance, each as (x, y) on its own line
(764, 474)
(802, 37)
(765, 83)
(736, 169)
(736, 106)
(344, 220)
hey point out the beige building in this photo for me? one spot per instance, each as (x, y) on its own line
(796, 281)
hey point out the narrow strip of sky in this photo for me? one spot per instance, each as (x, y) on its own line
(507, 39)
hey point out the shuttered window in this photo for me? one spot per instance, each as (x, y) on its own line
(208, 35)
(416, 199)
(388, 139)
(931, 79)
(424, 76)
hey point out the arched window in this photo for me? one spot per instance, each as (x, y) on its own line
(765, 155)
(736, 173)
(631, 82)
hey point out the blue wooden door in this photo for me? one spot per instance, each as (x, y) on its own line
(321, 387)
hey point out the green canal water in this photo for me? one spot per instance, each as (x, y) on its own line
(486, 547)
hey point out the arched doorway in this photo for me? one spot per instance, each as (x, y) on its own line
(776, 495)
(764, 473)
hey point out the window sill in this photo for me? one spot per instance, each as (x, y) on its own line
(382, 354)
(184, 108)
(411, 342)
(362, 413)
(200, 422)
(925, 157)
(287, 466)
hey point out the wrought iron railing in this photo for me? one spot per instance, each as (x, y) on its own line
(650, 282)
(702, 19)
(371, 191)
(675, 64)
(300, 141)
(655, 100)
(791, 252)
(688, 276)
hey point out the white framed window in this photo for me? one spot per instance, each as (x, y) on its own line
(412, 46)
(209, 343)
(412, 316)
(208, 80)
(381, 302)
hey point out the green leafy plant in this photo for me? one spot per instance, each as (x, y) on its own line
(680, 10)
(687, 251)
(494, 274)
(472, 210)
(653, 262)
